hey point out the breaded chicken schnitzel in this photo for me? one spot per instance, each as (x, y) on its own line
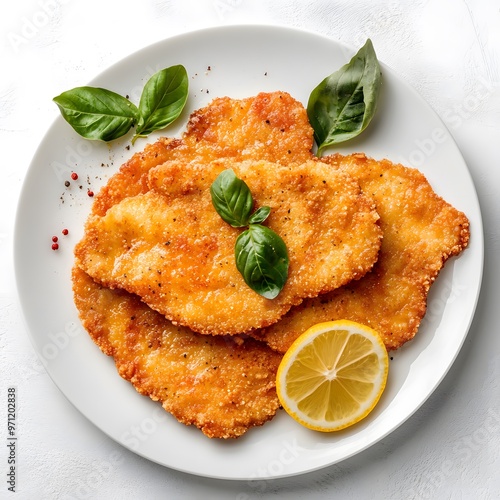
(270, 126)
(171, 248)
(221, 386)
(421, 231)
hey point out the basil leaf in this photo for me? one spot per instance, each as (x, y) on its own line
(262, 260)
(162, 100)
(231, 198)
(97, 113)
(344, 103)
(260, 215)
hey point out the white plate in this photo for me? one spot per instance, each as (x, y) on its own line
(238, 61)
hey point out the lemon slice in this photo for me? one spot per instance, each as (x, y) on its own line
(333, 375)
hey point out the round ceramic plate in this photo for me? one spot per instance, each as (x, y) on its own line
(237, 61)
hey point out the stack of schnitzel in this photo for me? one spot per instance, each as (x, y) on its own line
(155, 279)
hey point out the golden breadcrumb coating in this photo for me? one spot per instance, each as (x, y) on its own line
(421, 231)
(271, 126)
(170, 247)
(222, 385)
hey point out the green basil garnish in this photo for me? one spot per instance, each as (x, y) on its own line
(100, 114)
(231, 198)
(260, 215)
(344, 103)
(96, 113)
(162, 100)
(261, 255)
(262, 260)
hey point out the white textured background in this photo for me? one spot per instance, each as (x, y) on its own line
(449, 50)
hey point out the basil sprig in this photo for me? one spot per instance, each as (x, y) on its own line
(100, 114)
(261, 255)
(344, 103)
(162, 100)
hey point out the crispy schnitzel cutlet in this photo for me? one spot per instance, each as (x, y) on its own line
(421, 231)
(271, 126)
(170, 247)
(219, 385)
